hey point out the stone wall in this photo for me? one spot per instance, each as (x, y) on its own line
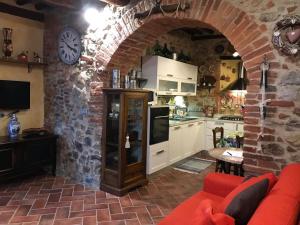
(73, 102)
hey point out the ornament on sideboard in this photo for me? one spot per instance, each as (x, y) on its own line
(7, 42)
(36, 57)
(23, 56)
(13, 126)
(286, 35)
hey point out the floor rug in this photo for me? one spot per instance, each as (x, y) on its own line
(192, 165)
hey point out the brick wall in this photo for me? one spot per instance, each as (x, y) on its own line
(73, 102)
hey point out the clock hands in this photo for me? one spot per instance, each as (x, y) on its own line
(73, 49)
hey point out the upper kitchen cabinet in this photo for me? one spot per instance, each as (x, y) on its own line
(169, 77)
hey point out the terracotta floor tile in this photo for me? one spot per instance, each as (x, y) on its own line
(47, 200)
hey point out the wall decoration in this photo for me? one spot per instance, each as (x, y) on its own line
(157, 7)
(286, 35)
(7, 42)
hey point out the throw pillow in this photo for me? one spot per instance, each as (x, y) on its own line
(205, 215)
(242, 202)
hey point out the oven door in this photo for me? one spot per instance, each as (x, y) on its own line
(159, 125)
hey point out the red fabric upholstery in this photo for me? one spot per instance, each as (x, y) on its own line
(276, 210)
(289, 182)
(221, 184)
(279, 207)
(184, 213)
(205, 215)
(243, 186)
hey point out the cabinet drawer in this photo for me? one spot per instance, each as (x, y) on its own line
(158, 157)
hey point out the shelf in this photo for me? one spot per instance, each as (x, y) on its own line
(28, 64)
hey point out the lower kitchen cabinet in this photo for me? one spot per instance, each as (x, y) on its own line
(157, 157)
(185, 140)
(175, 144)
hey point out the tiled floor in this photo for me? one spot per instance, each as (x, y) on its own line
(47, 200)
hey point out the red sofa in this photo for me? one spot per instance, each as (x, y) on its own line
(280, 206)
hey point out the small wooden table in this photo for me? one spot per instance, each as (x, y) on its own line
(228, 160)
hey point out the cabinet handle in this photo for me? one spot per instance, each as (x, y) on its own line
(189, 78)
(199, 123)
(190, 125)
(160, 152)
(169, 75)
(176, 128)
(188, 94)
(219, 123)
(168, 93)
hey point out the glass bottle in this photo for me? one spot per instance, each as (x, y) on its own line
(157, 50)
(166, 52)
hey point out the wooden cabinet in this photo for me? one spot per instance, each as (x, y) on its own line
(124, 159)
(24, 156)
(157, 157)
(199, 140)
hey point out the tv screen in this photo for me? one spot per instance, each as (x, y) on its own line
(14, 94)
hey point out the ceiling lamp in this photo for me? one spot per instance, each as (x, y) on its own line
(235, 54)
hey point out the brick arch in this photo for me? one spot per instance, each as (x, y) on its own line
(249, 39)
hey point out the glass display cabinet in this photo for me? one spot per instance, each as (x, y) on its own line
(124, 140)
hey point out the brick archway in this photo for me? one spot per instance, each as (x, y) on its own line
(250, 39)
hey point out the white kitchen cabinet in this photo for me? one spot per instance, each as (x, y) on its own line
(158, 71)
(199, 141)
(175, 144)
(188, 138)
(157, 157)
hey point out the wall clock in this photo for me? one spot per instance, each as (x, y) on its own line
(69, 45)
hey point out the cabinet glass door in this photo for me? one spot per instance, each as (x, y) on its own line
(167, 85)
(112, 131)
(188, 87)
(134, 130)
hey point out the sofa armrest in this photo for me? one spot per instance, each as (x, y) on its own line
(221, 184)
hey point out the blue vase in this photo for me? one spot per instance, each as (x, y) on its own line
(13, 126)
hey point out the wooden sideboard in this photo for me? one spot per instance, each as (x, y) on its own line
(23, 156)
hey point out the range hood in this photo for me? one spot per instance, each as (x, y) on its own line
(241, 83)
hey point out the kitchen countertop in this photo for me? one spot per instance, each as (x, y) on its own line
(196, 119)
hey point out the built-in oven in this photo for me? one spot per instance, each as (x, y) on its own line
(159, 124)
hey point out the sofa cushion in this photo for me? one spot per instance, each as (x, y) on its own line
(243, 200)
(221, 184)
(183, 214)
(289, 182)
(205, 215)
(276, 210)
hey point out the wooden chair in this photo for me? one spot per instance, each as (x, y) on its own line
(220, 165)
(239, 141)
(238, 169)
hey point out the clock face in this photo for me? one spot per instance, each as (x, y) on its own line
(69, 45)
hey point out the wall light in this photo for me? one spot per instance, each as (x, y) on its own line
(235, 54)
(91, 15)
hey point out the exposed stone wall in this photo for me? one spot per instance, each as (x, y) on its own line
(73, 102)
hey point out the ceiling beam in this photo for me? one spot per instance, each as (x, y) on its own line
(24, 13)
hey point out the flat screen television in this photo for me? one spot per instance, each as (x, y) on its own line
(14, 94)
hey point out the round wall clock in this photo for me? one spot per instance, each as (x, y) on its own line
(69, 45)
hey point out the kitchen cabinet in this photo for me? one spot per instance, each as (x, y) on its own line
(169, 77)
(124, 140)
(157, 157)
(175, 144)
(185, 140)
(198, 144)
